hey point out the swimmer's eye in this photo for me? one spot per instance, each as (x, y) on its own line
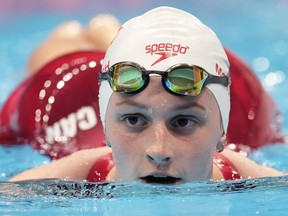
(184, 122)
(135, 120)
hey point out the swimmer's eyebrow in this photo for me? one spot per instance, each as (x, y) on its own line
(132, 103)
(144, 106)
(189, 105)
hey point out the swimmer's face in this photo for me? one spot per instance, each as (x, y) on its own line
(157, 137)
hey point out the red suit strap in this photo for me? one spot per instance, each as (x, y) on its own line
(226, 167)
(101, 168)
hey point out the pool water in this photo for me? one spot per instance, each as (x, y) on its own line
(254, 29)
(251, 197)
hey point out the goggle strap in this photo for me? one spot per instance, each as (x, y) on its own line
(224, 80)
(103, 76)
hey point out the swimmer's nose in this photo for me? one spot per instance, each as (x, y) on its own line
(159, 160)
(160, 152)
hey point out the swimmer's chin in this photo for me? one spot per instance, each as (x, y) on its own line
(160, 179)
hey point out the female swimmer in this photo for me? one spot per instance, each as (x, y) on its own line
(164, 103)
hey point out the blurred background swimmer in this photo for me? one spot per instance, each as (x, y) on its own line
(156, 155)
(64, 64)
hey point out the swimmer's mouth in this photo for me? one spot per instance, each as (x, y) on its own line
(160, 179)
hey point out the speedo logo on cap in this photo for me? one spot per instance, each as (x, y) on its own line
(165, 50)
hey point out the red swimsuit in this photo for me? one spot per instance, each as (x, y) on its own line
(101, 168)
(226, 167)
(103, 165)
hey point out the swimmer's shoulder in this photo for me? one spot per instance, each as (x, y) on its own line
(89, 155)
(72, 167)
(248, 168)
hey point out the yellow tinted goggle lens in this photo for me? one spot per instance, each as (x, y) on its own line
(126, 78)
(186, 80)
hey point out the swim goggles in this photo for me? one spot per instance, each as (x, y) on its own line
(180, 79)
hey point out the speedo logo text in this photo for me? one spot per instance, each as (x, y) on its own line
(165, 50)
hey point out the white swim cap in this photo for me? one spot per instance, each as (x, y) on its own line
(161, 38)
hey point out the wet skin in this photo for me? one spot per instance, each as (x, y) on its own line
(163, 138)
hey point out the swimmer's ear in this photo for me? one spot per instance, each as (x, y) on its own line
(107, 140)
(221, 143)
(108, 143)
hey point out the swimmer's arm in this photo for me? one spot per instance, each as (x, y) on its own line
(248, 168)
(73, 167)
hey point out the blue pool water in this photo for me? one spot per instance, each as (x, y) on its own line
(255, 29)
(252, 197)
